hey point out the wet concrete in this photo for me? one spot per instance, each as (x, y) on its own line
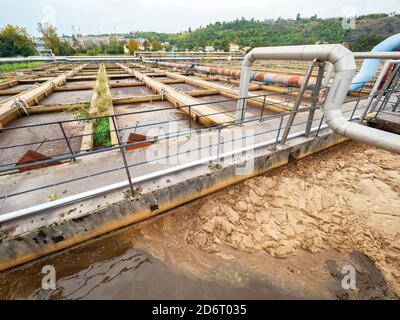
(230, 106)
(282, 96)
(224, 83)
(5, 97)
(36, 137)
(67, 97)
(186, 87)
(79, 83)
(161, 78)
(23, 87)
(123, 80)
(79, 77)
(126, 92)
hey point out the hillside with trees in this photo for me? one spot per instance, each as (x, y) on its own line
(369, 30)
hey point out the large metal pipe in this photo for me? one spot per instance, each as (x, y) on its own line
(261, 76)
(369, 67)
(345, 68)
(377, 55)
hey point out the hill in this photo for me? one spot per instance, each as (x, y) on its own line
(369, 30)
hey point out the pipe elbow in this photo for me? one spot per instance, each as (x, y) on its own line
(248, 59)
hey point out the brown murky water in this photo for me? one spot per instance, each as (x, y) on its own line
(126, 92)
(40, 138)
(113, 268)
(67, 97)
(157, 123)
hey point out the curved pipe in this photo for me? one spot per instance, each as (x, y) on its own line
(345, 67)
(369, 67)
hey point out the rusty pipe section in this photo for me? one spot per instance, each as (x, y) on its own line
(261, 76)
(345, 69)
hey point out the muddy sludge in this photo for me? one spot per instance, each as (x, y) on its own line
(284, 235)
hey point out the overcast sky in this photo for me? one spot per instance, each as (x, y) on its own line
(106, 16)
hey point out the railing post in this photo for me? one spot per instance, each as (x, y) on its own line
(190, 119)
(314, 98)
(297, 103)
(242, 111)
(121, 148)
(218, 143)
(396, 105)
(319, 126)
(279, 132)
(262, 109)
(66, 140)
(355, 108)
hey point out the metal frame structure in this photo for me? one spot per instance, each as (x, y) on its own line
(345, 68)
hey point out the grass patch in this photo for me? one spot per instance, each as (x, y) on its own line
(101, 133)
(22, 65)
(102, 103)
(101, 127)
(81, 112)
(104, 98)
(99, 107)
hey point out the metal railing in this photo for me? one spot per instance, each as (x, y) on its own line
(269, 127)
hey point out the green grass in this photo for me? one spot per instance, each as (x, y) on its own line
(101, 133)
(17, 66)
(101, 127)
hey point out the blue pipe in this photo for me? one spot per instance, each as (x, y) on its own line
(369, 66)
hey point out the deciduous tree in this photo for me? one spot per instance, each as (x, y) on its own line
(15, 40)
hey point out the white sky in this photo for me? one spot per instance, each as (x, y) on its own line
(105, 16)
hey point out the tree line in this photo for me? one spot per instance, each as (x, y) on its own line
(280, 32)
(15, 40)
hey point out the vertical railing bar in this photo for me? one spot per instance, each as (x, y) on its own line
(243, 103)
(218, 143)
(262, 109)
(279, 132)
(294, 110)
(319, 126)
(190, 120)
(66, 140)
(121, 148)
(355, 108)
(314, 98)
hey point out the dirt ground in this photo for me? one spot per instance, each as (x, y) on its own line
(343, 199)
